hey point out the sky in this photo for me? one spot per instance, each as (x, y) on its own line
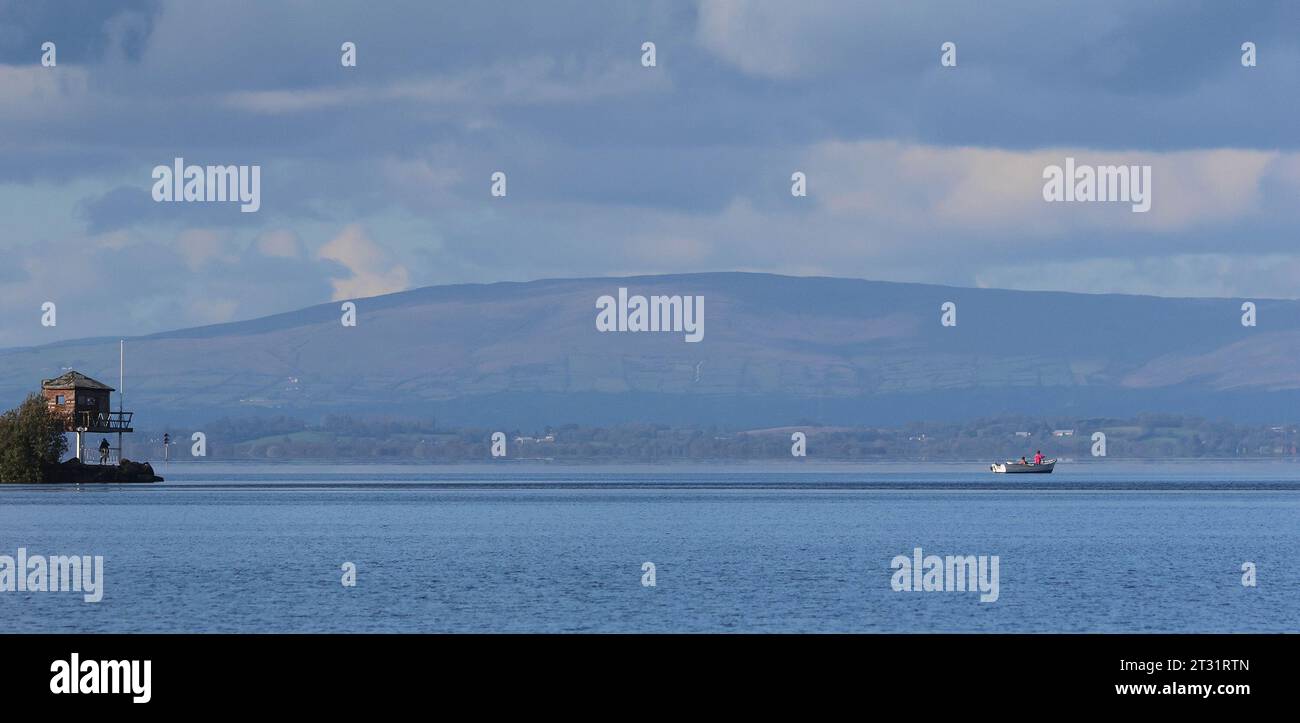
(377, 178)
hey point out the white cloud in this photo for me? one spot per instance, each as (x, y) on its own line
(991, 189)
(280, 243)
(34, 91)
(201, 246)
(757, 40)
(534, 80)
(372, 274)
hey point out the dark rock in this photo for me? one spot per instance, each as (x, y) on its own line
(74, 471)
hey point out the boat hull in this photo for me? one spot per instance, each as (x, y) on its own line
(1017, 468)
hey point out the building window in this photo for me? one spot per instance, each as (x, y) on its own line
(58, 399)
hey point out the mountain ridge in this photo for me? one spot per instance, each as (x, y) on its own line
(331, 306)
(829, 349)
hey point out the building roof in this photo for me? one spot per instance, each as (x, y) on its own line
(74, 380)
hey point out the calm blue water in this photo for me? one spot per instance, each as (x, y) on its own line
(1094, 547)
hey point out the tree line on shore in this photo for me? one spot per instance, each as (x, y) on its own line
(33, 440)
(1151, 436)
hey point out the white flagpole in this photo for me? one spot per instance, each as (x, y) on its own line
(121, 391)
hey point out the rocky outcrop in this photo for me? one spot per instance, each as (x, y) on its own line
(74, 471)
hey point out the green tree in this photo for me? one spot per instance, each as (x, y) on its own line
(31, 437)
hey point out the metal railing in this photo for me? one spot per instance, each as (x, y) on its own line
(103, 421)
(91, 456)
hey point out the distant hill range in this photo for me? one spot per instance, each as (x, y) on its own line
(776, 350)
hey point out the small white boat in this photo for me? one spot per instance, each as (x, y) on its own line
(1026, 468)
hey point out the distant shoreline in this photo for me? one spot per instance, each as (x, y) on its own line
(784, 465)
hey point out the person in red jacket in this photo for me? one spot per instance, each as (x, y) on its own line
(1038, 457)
